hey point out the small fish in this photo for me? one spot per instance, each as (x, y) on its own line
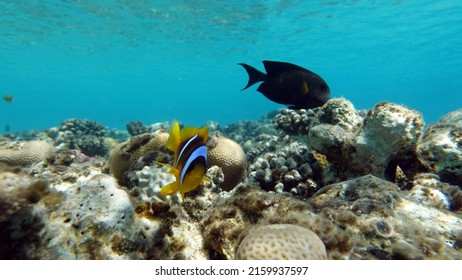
(8, 98)
(289, 84)
(190, 160)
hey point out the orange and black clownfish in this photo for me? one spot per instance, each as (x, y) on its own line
(190, 161)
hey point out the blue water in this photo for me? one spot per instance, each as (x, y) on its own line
(118, 61)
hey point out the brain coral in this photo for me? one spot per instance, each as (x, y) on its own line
(27, 153)
(228, 155)
(281, 242)
(128, 152)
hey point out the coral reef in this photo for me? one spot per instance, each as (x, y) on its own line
(291, 168)
(136, 128)
(294, 122)
(281, 242)
(360, 184)
(84, 135)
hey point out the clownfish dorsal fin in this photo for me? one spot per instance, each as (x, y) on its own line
(174, 139)
(188, 132)
(203, 133)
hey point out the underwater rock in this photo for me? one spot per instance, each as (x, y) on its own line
(429, 196)
(384, 215)
(96, 219)
(281, 242)
(338, 112)
(94, 211)
(390, 133)
(441, 147)
(19, 226)
(365, 195)
(383, 144)
(329, 139)
(84, 135)
(26, 153)
(437, 193)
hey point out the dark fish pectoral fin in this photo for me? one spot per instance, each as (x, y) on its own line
(255, 75)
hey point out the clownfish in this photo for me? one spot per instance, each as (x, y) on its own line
(190, 160)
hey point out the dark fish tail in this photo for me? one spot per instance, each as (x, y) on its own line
(255, 75)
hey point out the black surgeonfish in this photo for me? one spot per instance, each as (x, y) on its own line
(289, 84)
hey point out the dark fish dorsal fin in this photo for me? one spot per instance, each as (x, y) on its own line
(276, 68)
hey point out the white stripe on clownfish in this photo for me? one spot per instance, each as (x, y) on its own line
(199, 152)
(184, 148)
